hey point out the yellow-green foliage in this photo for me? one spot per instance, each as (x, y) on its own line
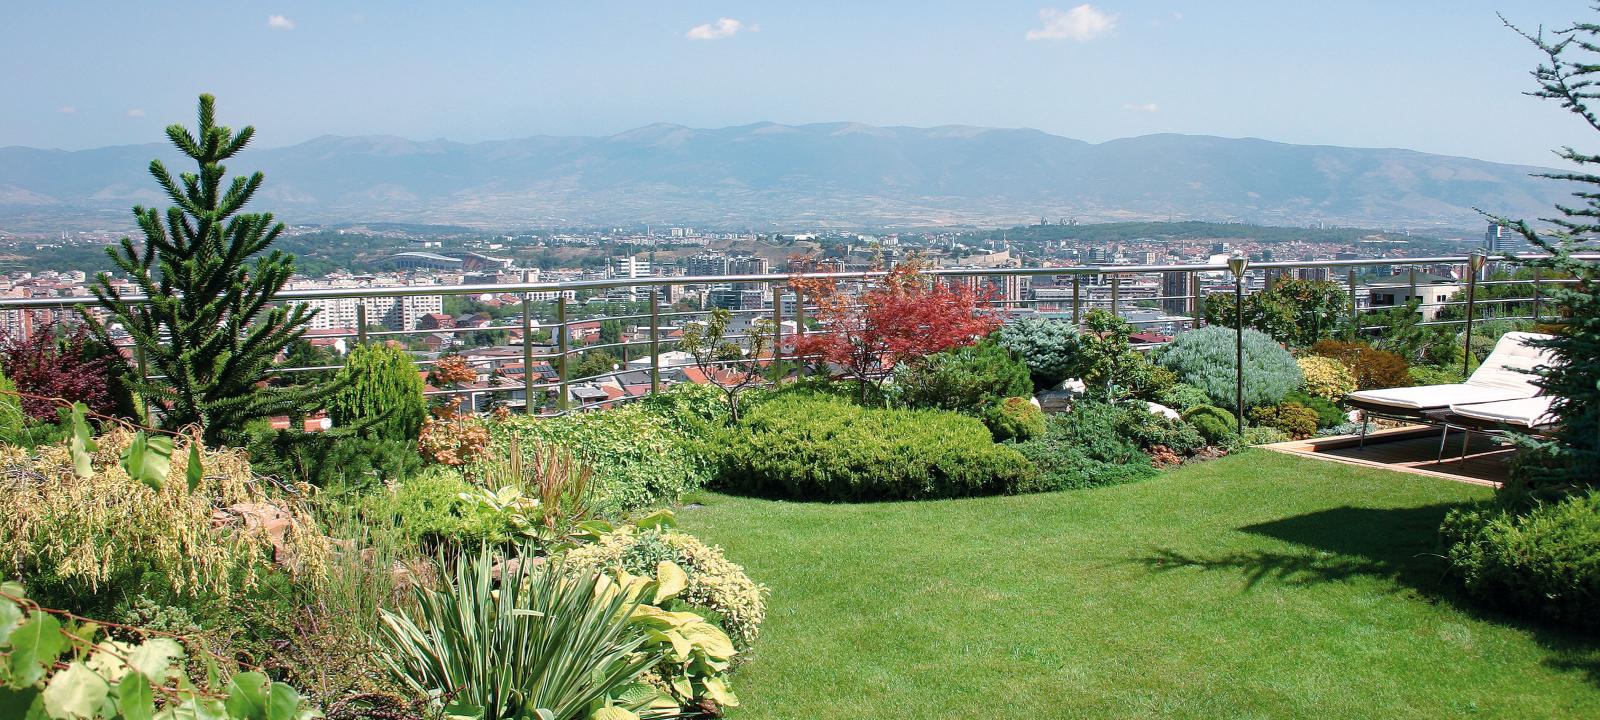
(109, 528)
(1326, 377)
(713, 582)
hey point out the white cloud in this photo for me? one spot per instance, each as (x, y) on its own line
(279, 22)
(1141, 107)
(722, 28)
(67, 109)
(1084, 22)
(136, 113)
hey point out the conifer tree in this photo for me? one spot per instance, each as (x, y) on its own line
(208, 330)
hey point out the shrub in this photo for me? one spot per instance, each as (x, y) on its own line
(453, 441)
(92, 538)
(328, 459)
(972, 379)
(1435, 375)
(1051, 348)
(1183, 396)
(1015, 418)
(1326, 377)
(1258, 435)
(1295, 420)
(12, 418)
(1084, 448)
(1205, 359)
(71, 367)
(824, 448)
(1544, 562)
(1151, 431)
(513, 640)
(1213, 423)
(1328, 414)
(379, 394)
(1373, 368)
(638, 458)
(432, 508)
(713, 583)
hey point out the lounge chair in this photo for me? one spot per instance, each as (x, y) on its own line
(1507, 374)
(1533, 416)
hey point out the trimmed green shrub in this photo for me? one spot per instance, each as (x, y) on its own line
(1183, 396)
(1085, 448)
(1295, 420)
(1436, 375)
(1213, 423)
(379, 393)
(1258, 435)
(824, 448)
(1016, 418)
(1544, 562)
(1150, 431)
(971, 379)
(1328, 414)
(1051, 348)
(639, 459)
(1205, 359)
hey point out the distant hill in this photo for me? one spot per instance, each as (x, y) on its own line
(843, 174)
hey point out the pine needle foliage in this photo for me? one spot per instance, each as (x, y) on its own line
(380, 393)
(209, 330)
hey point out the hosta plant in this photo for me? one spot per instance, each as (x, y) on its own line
(696, 655)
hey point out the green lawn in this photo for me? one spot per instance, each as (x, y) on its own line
(1255, 586)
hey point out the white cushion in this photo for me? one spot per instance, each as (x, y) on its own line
(1527, 412)
(1431, 397)
(1510, 365)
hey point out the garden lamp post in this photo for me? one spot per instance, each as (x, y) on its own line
(1475, 263)
(1237, 264)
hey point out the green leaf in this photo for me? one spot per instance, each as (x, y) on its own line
(148, 458)
(81, 443)
(76, 692)
(155, 658)
(247, 696)
(21, 703)
(613, 713)
(194, 472)
(282, 702)
(34, 647)
(10, 618)
(134, 698)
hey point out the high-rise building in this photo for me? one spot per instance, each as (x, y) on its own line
(706, 263)
(1499, 240)
(1174, 289)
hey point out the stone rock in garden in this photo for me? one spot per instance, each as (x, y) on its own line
(1164, 411)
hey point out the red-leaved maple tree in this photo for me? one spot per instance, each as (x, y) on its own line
(905, 317)
(47, 364)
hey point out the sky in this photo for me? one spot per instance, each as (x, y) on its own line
(1440, 76)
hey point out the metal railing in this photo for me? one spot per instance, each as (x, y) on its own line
(1072, 293)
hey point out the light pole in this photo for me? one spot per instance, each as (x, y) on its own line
(1237, 264)
(1475, 263)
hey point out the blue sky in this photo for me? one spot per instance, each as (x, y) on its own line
(1434, 75)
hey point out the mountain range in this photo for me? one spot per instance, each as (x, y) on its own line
(767, 174)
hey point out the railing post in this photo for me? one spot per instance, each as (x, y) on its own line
(361, 323)
(527, 355)
(1116, 292)
(1077, 306)
(777, 327)
(1475, 263)
(1413, 294)
(655, 339)
(799, 312)
(1538, 276)
(561, 349)
(1355, 323)
(1194, 300)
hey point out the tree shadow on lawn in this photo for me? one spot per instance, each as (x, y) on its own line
(1397, 544)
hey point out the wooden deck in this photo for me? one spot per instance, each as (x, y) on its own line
(1413, 449)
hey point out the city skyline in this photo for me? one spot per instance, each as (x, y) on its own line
(1361, 74)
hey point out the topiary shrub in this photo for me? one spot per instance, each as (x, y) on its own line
(1213, 423)
(1328, 414)
(738, 603)
(1373, 368)
(1051, 348)
(1085, 448)
(1183, 396)
(1326, 377)
(638, 458)
(1016, 418)
(1545, 562)
(1295, 420)
(971, 379)
(379, 393)
(826, 448)
(1205, 359)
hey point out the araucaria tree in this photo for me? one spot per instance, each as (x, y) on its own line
(1569, 77)
(208, 330)
(907, 316)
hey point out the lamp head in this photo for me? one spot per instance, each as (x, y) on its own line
(1475, 261)
(1237, 265)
